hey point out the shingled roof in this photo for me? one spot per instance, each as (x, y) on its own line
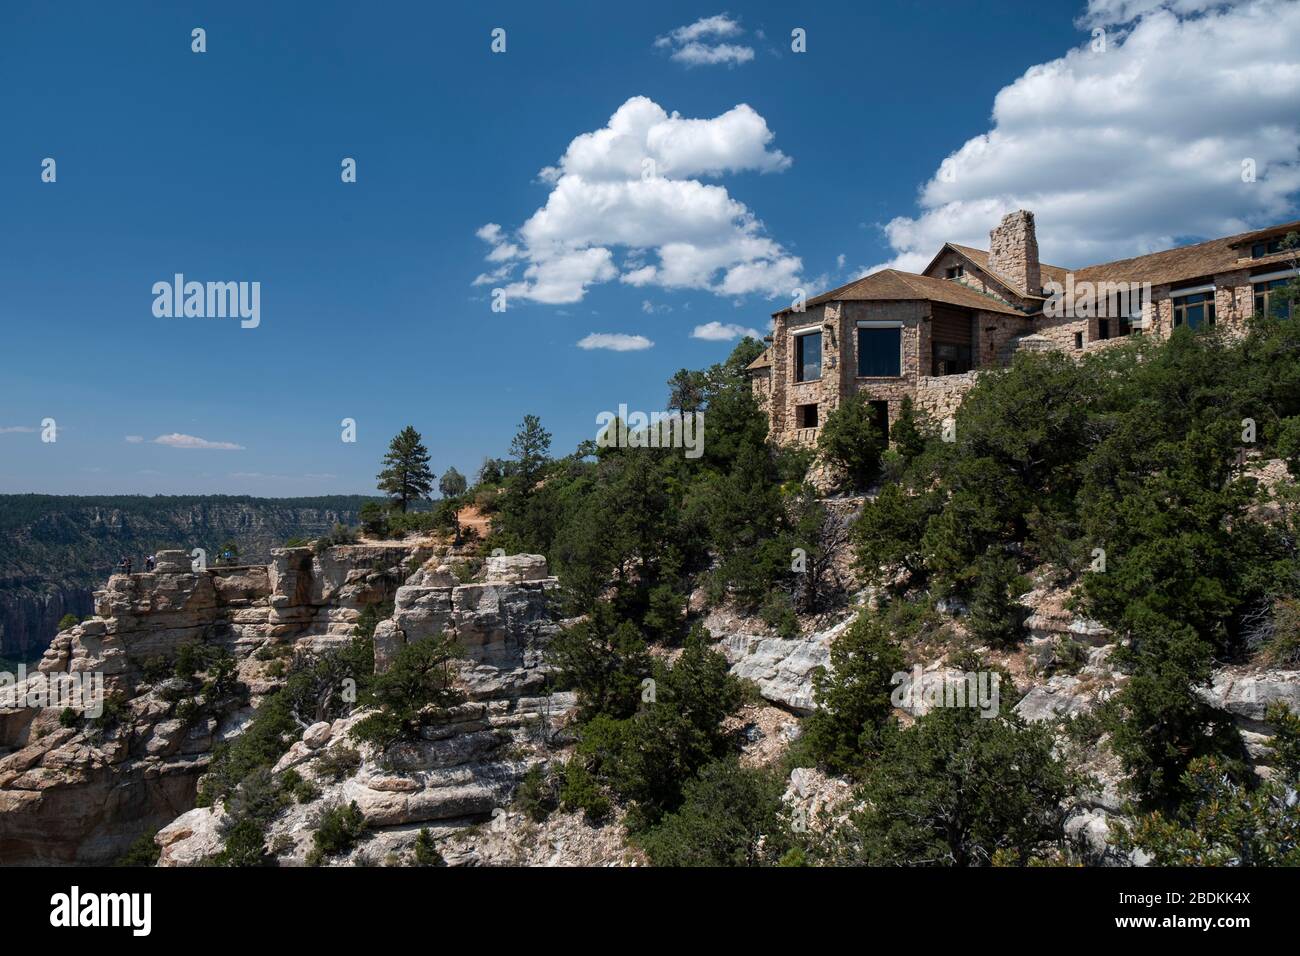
(1197, 261)
(891, 285)
(763, 361)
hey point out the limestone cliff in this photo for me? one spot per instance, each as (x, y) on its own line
(79, 790)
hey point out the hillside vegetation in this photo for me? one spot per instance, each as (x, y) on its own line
(1130, 474)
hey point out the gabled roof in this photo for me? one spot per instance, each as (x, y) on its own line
(981, 258)
(1189, 262)
(763, 361)
(891, 285)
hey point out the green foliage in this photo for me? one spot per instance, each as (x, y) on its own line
(730, 816)
(374, 519)
(245, 845)
(265, 739)
(142, 852)
(406, 475)
(1225, 822)
(1288, 443)
(530, 448)
(337, 762)
(426, 849)
(69, 718)
(953, 790)
(580, 790)
(853, 438)
(907, 434)
(452, 484)
(68, 621)
(298, 786)
(604, 659)
(339, 828)
(889, 530)
(313, 692)
(853, 698)
(537, 794)
(417, 685)
(996, 615)
(646, 758)
(1158, 723)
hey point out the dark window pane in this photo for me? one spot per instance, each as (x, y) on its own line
(878, 352)
(808, 357)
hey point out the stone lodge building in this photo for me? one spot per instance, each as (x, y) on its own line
(893, 334)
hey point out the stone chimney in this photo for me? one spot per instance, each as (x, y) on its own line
(1013, 251)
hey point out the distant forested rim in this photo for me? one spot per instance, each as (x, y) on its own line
(56, 549)
(17, 510)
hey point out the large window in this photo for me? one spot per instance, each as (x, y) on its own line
(1194, 310)
(880, 352)
(808, 357)
(1270, 301)
(1261, 249)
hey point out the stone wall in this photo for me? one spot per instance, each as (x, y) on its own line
(940, 396)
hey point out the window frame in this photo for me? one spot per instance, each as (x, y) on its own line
(1180, 305)
(1261, 298)
(871, 324)
(798, 363)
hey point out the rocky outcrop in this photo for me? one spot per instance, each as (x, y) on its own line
(782, 668)
(1245, 695)
(468, 760)
(502, 620)
(79, 788)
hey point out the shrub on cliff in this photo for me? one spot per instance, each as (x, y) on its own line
(853, 438)
(604, 659)
(955, 789)
(416, 685)
(337, 831)
(647, 758)
(853, 697)
(730, 816)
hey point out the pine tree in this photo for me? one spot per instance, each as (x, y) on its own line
(406, 475)
(531, 446)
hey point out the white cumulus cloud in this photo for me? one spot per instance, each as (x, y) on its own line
(724, 332)
(1129, 149)
(636, 187)
(615, 342)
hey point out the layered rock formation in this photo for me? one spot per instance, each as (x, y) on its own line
(79, 789)
(468, 760)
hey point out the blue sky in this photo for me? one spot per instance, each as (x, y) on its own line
(225, 166)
